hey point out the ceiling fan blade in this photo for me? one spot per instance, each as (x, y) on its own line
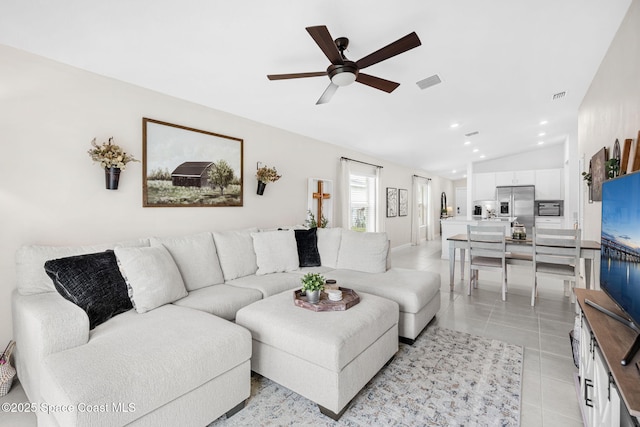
(321, 36)
(328, 94)
(397, 47)
(376, 82)
(295, 75)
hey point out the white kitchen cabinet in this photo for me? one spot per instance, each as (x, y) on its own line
(526, 177)
(484, 186)
(549, 184)
(549, 222)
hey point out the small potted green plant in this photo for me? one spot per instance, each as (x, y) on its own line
(312, 285)
(311, 221)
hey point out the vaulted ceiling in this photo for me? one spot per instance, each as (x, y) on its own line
(500, 63)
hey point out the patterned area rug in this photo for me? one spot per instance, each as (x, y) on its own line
(447, 378)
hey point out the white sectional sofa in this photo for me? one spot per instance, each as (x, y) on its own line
(173, 355)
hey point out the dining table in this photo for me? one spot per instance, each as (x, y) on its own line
(589, 252)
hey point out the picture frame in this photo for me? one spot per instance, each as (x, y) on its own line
(403, 202)
(392, 202)
(598, 174)
(187, 167)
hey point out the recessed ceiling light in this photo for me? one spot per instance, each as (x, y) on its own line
(544, 122)
(482, 156)
(475, 150)
(542, 134)
(453, 171)
(464, 176)
(540, 142)
(467, 142)
(454, 125)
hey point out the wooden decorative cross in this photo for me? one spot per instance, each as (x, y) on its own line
(320, 196)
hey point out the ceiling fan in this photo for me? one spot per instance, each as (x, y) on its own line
(343, 72)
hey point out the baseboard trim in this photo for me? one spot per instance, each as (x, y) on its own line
(397, 248)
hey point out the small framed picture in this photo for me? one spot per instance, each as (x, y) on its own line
(392, 202)
(403, 202)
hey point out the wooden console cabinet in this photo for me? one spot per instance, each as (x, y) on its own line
(609, 393)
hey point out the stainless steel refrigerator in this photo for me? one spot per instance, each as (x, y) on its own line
(517, 201)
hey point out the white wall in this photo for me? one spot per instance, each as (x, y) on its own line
(611, 108)
(549, 157)
(51, 192)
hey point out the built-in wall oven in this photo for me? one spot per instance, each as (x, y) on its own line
(549, 207)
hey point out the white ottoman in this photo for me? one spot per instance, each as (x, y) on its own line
(326, 357)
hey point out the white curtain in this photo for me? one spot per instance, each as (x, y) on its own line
(416, 182)
(421, 189)
(345, 192)
(430, 216)
(380, 202)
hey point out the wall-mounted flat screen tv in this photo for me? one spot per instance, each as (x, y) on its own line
(620, 244)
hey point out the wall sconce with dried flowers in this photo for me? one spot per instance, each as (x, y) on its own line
(265, 175)
(112, 158)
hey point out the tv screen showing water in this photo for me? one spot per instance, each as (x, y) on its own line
(620, 249)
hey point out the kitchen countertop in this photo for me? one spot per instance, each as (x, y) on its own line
(477, 218)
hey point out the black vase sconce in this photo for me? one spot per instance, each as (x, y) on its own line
(111, 178)
(112, 158)
(264, 175)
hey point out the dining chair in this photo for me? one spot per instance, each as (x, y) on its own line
(556, 253)
(486, 252)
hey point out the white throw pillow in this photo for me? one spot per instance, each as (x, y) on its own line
(152, 277)
(329, 245)
(365, 252)
(196, 258)
(276, 251)
(235, 252)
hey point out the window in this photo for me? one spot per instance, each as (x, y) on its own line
(363, 202)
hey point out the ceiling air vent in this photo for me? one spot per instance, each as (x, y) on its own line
(471, 134)
(559, 95)
(429, 81)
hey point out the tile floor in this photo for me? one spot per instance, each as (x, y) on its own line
(549, 397)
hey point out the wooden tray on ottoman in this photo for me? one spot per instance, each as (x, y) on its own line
(349, 299)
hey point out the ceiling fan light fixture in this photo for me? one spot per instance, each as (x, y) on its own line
(343, 74)
(343, 78)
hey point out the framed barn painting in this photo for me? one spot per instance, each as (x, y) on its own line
(392, 202)
(186, 167)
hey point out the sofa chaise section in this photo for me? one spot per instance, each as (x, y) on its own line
(416, 292)
(135, 365)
